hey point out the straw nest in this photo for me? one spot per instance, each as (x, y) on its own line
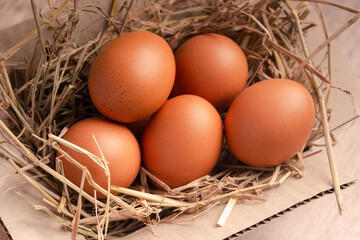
(48, 93)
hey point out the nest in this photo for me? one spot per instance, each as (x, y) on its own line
(48, 93)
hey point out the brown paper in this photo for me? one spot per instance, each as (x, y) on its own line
(294, 192)
(249, 214)
(24, 222)
(20, 216)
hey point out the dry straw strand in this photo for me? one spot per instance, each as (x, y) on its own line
(54, 96)
(323, 111)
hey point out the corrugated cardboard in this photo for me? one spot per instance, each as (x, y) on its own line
(24, 222)
(247, 215)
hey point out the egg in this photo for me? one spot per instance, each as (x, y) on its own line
(211, 66)
(118, 145)
(269, 122)
(137, 128)
(132, 77)
(183, 140)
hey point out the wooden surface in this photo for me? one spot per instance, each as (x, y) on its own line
(301, 223)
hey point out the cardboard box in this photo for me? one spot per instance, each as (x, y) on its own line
(24, 221)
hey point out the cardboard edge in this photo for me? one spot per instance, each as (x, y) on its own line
(4, 232)
(281, 213)
(291, 208)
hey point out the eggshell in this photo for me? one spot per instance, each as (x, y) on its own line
(211, 66)
(117, 143)
(269, 122)
(183, 140)
(132, 76)
(137, 128)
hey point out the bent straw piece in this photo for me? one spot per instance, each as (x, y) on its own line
(161, 183)
(107, 173)
(120, 202)
(65, 180)
(64, 211)
(87, 196)
(275, 175)
(295, 169)
(99, 161)
(324, 120)
(301, 160)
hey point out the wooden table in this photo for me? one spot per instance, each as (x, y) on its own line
(301, 223)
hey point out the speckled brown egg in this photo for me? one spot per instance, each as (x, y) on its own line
(183, 140)
(132, 76)
(269, 122)
(211, 66)
(119, 146)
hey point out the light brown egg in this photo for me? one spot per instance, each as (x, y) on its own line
(183, 140)
(211, 66)
(117, 143)
(269, 122)
(132, 76)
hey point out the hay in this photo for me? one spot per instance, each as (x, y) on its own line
(49, 93)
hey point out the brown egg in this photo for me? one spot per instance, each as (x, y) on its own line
(183, 140)
(137, 128)
(269, 122)
(211, 66)
(132, 76)
(117, 143)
